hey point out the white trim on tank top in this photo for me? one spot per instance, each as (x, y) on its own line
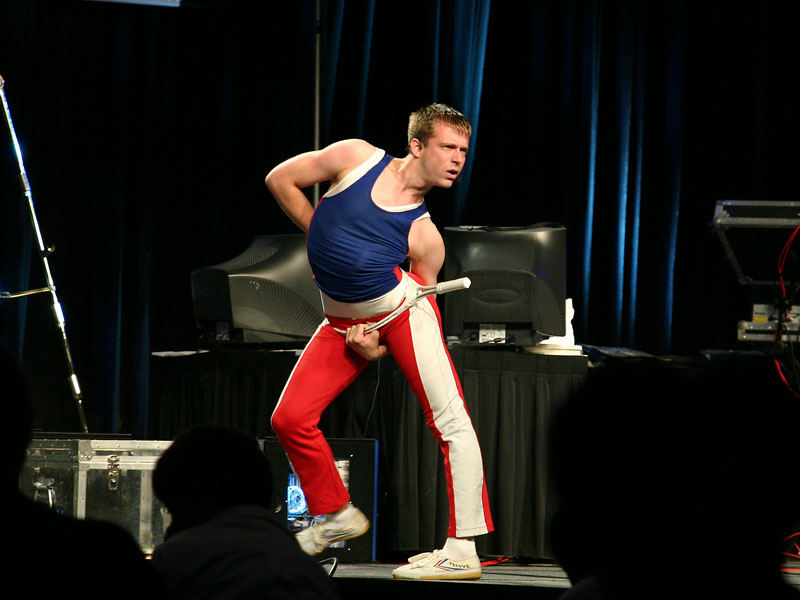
(362, 170)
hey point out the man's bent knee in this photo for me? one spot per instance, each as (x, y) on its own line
(282, 422)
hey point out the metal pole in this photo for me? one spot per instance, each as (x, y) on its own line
(317, 88)
(44, 252)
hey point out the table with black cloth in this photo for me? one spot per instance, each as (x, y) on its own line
(511, 395)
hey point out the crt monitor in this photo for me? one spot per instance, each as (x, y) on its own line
(265, 295)
(518, 290)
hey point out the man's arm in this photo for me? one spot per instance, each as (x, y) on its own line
(425, 250)
(287, 180)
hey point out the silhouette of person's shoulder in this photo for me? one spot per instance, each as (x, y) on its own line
(686, 474)
(239, 553)
(46, 552)
(92, 558)
(224, 540)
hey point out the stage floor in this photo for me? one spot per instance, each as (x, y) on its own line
(535, 581)
(537, 575)
(515, 581)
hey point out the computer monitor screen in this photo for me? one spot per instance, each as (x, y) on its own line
(518, 283)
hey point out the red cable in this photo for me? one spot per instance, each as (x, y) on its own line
(781, 263)
(783, 256)
(795, 545)
(496, 561)
(783, 378)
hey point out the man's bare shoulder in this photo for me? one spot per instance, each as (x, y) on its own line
(340, 158)
(328, 164)
(348, 154)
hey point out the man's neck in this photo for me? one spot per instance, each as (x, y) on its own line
(413, 186)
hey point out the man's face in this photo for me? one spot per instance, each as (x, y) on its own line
(443, 157)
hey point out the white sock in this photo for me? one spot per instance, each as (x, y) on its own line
(459, 548)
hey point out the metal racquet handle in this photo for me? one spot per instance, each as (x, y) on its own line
(453, 285)
(422, 292)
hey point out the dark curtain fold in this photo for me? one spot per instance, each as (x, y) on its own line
(624, 109)
(636, 177)
(673, 140)
(17, 239)
(589, 111)
(331, 23)
(369, 19)
(470, 28)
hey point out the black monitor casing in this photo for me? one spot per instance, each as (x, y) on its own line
(518, 280)
(265, 295)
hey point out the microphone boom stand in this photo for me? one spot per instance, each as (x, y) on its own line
(44, 252)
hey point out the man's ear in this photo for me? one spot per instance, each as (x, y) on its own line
(415, 147)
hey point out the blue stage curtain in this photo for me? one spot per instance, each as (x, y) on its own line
(470, 27)
(452, 35)
(332, 15)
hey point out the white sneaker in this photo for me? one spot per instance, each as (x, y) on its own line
(320, 535)
(435, 565)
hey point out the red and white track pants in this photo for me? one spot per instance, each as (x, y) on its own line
(328, 366)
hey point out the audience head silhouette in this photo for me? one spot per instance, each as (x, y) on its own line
(208, 469)
(225, 540)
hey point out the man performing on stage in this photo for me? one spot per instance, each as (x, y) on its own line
(372, 219)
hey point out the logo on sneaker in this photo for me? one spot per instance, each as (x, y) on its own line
(449, 565)
(328, 535)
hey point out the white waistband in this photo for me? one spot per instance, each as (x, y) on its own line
(368, 308)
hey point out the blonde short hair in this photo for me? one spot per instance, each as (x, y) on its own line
(421, 122)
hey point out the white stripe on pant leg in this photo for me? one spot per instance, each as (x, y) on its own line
(451, 420)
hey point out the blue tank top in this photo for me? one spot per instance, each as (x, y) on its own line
(354, 245)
